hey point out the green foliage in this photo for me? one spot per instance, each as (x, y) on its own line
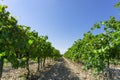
(96, 51)
(18, 42)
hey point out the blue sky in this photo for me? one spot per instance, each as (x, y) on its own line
(64, 21)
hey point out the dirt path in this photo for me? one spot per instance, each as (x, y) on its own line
(65, 70)
(59, 71)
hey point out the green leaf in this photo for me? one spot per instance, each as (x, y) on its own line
(103, 23)
(0, 8)
(2, 54)
(30, 41)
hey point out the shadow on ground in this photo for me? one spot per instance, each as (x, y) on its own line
(115, 74)
(57, 72)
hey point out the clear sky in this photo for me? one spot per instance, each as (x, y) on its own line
(64, 21)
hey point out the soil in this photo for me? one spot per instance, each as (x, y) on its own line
(63, 69)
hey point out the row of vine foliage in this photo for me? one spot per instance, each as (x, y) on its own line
(97, 51)
(19, 45)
